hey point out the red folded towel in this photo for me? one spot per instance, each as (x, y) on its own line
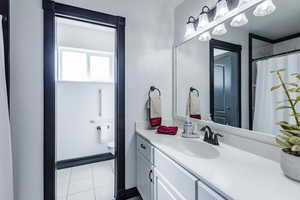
(172, 130)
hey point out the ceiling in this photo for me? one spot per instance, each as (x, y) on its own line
(283, 22)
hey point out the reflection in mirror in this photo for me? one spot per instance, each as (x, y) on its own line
(241, 98)
(225, 86)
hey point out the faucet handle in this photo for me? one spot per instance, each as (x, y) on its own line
(203, 128)
(206, 137)
(215, 139)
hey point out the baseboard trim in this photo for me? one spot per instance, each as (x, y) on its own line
(63, 164)
(127, 194)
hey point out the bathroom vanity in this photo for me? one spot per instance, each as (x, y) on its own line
(223, 79)
(172, 167)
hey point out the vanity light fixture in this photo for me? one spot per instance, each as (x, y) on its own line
(220, 30)
(265, 8)
(221, 9)
(190, 27)
(203, 18)
(197, 25)
(204, 37)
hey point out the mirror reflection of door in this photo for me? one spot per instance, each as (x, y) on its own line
(225, 75)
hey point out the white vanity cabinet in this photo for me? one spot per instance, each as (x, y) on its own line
(206, 193)
(160, 178)
(171, 181)
(144, 169)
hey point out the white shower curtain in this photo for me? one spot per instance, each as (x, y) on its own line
(6, 181)
(265, 116)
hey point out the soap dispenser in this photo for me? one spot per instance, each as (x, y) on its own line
(187, 127)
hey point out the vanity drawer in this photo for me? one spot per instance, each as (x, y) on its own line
(145, 148)
(206, 193)
(183, 182)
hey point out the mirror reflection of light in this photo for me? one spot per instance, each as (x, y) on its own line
(265, 8)
(204, 37)
(220, 30)
(239, 20)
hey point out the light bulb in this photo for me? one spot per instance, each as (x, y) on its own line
(204, 37)
(190, 29)
(222, 9)
(203, 21)
(220, 30)
(239, 20)
(265, 8)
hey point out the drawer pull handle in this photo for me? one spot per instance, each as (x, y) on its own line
(150, 175)
(143, 146)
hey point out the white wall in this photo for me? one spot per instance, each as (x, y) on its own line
(149, 38)
(288, 45)
(77, 105)
(85, 36)
(27, 98)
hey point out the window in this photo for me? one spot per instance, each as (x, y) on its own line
(82, 65)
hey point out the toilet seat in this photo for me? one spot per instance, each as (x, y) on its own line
(111, 147)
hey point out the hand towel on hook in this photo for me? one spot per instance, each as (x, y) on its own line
(154, 108)
(193, 105)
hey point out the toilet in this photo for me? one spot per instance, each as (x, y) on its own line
(111, 147)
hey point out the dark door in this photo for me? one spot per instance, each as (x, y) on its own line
(223, 88)
(225, 83)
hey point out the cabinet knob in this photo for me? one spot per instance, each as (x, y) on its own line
(143, 146)
(150, 175)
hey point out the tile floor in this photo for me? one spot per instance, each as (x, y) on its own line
(87, 182)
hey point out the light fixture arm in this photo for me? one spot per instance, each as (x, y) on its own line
(205, 9)
(191, 20)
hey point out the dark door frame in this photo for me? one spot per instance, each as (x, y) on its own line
(218, 44)
(5, 12)
(51, 10)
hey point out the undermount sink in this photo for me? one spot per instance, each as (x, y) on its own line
(193, 147)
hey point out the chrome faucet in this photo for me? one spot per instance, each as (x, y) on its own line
(210, 137)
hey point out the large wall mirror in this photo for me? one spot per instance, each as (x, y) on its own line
(228, 78)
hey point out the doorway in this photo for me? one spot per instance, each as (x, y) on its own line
(84, 103)
(225, 86)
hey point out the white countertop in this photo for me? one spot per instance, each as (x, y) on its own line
(234, 173)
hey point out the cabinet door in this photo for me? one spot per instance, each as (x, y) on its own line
(163, 189)
(183, 182)
(206, 193)
(144, 177)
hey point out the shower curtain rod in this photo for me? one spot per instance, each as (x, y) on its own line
(276, 55)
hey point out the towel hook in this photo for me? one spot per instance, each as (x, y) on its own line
(152, 89)
(4, 18)
(192, 89)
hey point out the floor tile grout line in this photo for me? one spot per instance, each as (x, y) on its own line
(93, 179)
(69, 183)
(92, 171)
